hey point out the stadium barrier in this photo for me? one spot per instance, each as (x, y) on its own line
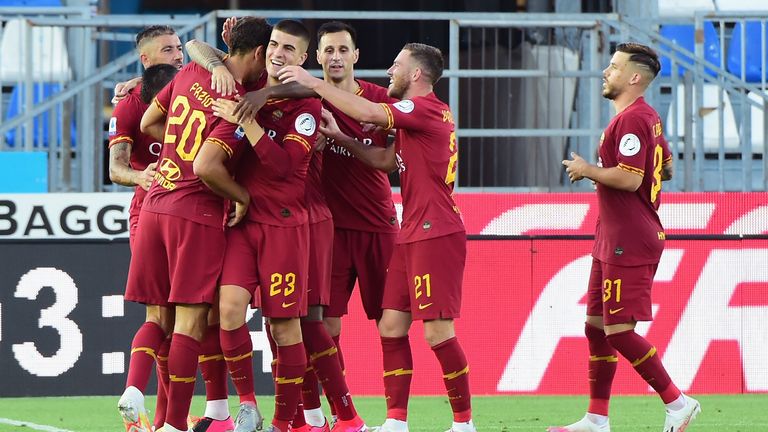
(65, 329)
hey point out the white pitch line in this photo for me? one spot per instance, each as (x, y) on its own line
(31, 425)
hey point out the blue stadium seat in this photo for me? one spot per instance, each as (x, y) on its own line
(683, 35)
(42, 92)
(30, 3)
(754, 50)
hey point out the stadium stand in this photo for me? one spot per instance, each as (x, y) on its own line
(754, 51)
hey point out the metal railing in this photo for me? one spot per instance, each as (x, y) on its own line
(524, 89)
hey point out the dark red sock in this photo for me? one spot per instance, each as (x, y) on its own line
(162, 383)
(456, 378)
(212, 365)
(298, 419)
(602, 368)
(398, 371)
(238, 353)
(291, 363)
(340, 357)
(310, 390)
(182, 369)
(322, 354)
(144, 349)
(646, 362)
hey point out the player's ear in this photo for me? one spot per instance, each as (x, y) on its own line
(260, 52)
(416, 74)
(144, 60)
(356, 56)
(317, 57)
(303, 58)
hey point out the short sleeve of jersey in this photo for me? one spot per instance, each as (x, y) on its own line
(125, 121)
(163, 98)
(406, 114)
(303, 128)
(229, 137)
(634, 141)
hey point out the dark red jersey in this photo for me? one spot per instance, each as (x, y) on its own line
(427, 158)
(360, 197)
(629, 232)
(190, 123)
(124, 126)
(276, 169)
(314, 197)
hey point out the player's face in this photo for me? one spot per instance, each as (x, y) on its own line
(164, 49)
(400, 75)
(284, 50)
(337, 55)
(616, 76)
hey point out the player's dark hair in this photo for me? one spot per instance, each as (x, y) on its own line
(294, 28)
(641, 55)
(151, 32)
(248, 34)
(429, 58)
(154, 79)
(337, 27)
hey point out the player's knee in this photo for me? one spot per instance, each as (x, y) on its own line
(285, 331)
(231, 313)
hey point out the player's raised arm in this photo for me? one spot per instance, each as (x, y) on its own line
(252, 102)
(153, 121)
(381, 158)
(212, 59)
(355, 106)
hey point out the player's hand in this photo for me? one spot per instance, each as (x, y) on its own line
(296, 74)
(122, 89)
(226, 31)
(222, 81)
(146, 176)
(225, 108)
(374, 128)
(249, 105)
(328, 126)
(238, 213)
(575, 167)
(320, 143)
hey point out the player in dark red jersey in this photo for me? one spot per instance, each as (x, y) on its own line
(132, 161)
(634, 159)
(179, 245)
(425, 272)
(258, 268)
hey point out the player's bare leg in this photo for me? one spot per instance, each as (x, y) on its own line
(441, 337)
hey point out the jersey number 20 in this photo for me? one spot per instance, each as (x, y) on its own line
(190, 119)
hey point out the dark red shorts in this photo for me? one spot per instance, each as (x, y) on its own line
(271, 263)
(174, 260)
(320, 256)
(362, 256)
(620, 294)
(133, 225)
(425, 277)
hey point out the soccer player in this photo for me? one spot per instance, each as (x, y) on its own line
(267, 256)
(634, 159)
(132, 162)
(425, 272)
(180, 240)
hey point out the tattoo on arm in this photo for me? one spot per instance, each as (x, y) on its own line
(205, 55)
(120, 170)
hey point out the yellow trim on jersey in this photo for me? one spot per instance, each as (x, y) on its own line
(283, 380)
(648, 355)
(187, 380)
(398, 372)
(149, 351)
(631, 169)
(454, 375)
(275, 101)
(224, 146)
(299, 140)
(390, 117)
(669, 158)
(329, 352)
(238, 358)
(204, 358)
(160, 106)
(309, 369)
(608, 358)
(119, 139)
(359, 90)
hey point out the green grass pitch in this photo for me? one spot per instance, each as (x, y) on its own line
(733, 413)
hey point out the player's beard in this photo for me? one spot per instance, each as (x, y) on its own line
(609, 92)
(398, 88)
